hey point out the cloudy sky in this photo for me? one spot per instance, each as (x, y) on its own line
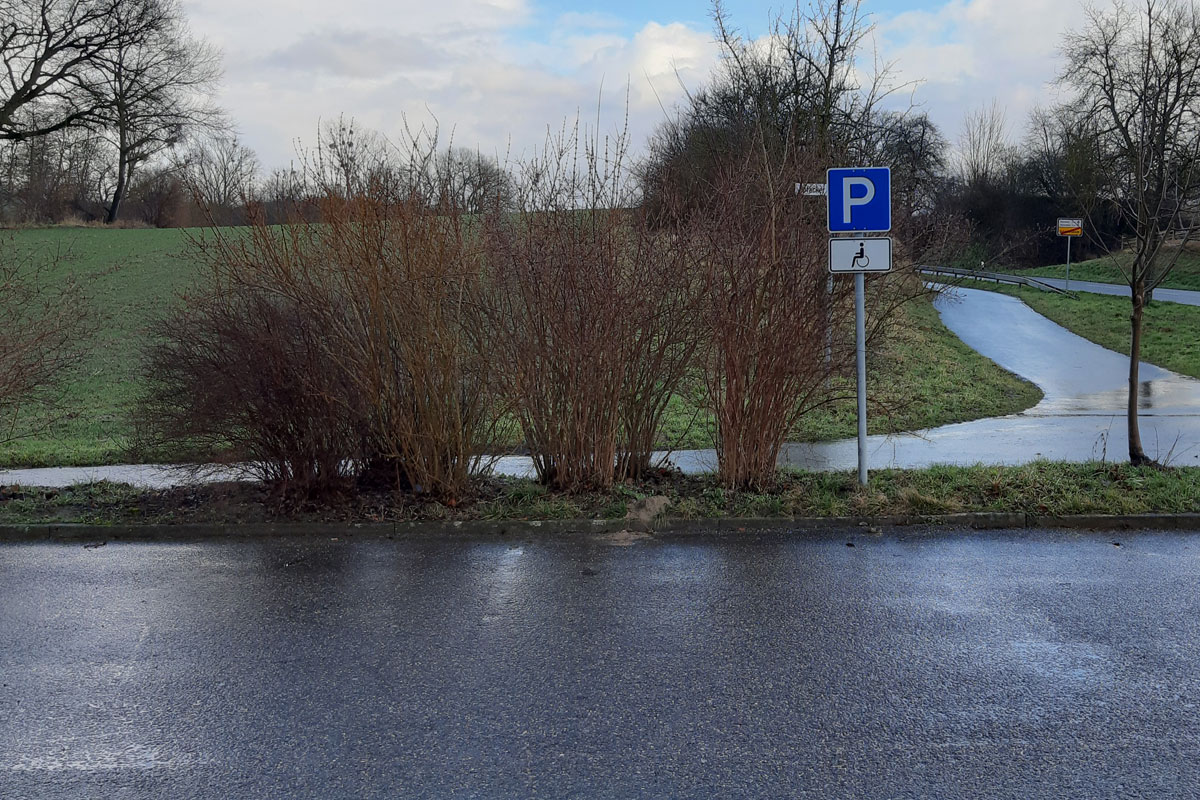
(496, 73)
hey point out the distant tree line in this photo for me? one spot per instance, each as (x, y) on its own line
(106, 115)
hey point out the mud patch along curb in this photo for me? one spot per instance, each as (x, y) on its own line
(660, 527)
(1119, 522)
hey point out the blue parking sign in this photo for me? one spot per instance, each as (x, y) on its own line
(860, 200)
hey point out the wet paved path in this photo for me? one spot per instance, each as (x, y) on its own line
(1081, 417)
(1187, 297)
(953, 664)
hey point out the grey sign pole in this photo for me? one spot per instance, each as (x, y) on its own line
(1069, 263)
(1069, 228)
(860, 202)
(860, 256)
(860, 332)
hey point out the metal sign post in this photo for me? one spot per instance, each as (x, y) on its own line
(860, 201)
(1069, 228)
(860, 354)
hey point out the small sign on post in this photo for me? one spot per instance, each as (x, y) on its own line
(1069, 227)
(860, 201)
(860, 255)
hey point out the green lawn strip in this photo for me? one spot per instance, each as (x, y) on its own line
(1171, 333)
(1044, 488)
(923, 378)
(1185, 275)
(131, 276)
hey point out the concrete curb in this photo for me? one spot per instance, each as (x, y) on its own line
(662, 528)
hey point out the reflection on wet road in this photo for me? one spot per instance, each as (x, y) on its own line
(1076, 375)
(918, 663)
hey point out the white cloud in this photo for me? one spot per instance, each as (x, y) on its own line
(968, 52)
(468, 63)
(496, 72)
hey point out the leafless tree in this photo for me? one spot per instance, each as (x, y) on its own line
(1136, 69)
(283, 186)
(983, 147)
(52, 177)
(158, 86)
(50, 52)
(221, 173)
(915, 149)
(285, 194)
(348, 158)
(476, 184)
(800, 86)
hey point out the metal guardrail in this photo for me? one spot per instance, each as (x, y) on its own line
(994, 277)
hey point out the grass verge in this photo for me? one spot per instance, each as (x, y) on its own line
(1044, 488)
(1185, 275)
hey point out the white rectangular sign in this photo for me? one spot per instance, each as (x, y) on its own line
(1070, 227)
(860, 255)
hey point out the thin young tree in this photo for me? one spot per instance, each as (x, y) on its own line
(1136, 70)
(984, 152)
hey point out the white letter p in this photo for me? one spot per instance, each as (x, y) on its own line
(849, 201)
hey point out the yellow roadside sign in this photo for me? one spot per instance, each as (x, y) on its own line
(1070, 227)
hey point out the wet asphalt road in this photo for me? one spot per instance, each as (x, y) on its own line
(917, 664)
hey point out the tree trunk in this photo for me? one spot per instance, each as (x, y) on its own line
(118, 191)
(1137, 456)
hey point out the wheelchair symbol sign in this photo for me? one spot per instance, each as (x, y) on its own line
(860, 255)
(860, 199)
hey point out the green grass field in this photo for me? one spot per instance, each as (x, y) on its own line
(924, 378)
(1185, 275)
(130, 275)
(1171, 333)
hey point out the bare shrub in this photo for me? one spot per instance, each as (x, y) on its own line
(412, 280)
(324, 349)
(781, 332)
(767, 313)
(43, 327)
(590, 314)
(243, 368)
